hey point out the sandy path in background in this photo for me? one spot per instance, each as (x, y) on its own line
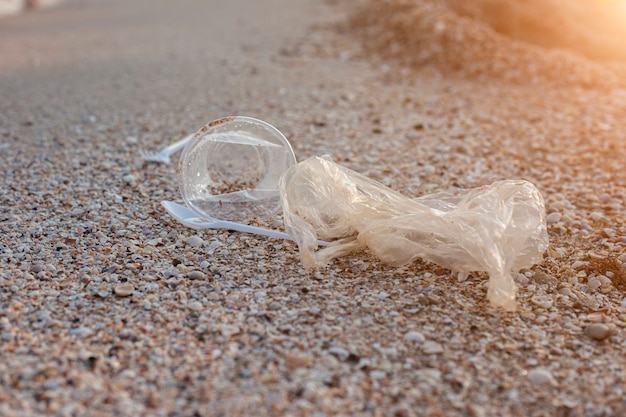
(108, 307)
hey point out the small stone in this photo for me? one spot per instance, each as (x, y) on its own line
(129, 179)
(541, 376)
(596, 317)
(214, 296)
(543, 279)
(462, 276)
(124, 290)
(274, 305)
(565, 291)
(196, 275)
(596, 215)
(521, 279)
(598, 331)
(229, 330)
(594, 283)
(475, 410)
(432, 348)
(414, 337)
(81, 331)
(297, 361)
(195, 241)
(605, 289)
(376, 374)
(36, 268)
(195, 305)
(553, 218)
(212, 246)
(43, 275)
(542, 301)
(340, 353)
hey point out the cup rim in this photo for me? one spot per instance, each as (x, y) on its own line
(219, 126)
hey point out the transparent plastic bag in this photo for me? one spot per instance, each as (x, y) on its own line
(497, 228)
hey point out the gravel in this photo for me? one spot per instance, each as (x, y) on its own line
(541, 376)
(109, 307)
(598, 331)
(195, 241)
(124, 290)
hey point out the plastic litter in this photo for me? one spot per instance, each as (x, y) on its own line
(498, 228)
(230, 169)
(239, 168)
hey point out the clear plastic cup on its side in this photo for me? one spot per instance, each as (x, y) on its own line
(231, 167)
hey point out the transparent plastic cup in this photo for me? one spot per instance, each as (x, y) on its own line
(231, 168)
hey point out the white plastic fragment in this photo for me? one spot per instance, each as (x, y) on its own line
(497, 228)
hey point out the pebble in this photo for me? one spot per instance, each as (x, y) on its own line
(596, 317)
(377, 374)
(542, 301)
(275, 305)
(214, 296)
(521, 279)
(432, 348)
(340, 353)
(597, 331)
(595, 216)
(554, 217)
(81, 331)
(297, 361)
(129, 179)
(195, 241)
(212, 246)
(229, 330)
(594, 283)
(541, 376)
(565, 291)
(195, 305)
(196, 275)
(414, 337)
(124, 290)
(543, 278)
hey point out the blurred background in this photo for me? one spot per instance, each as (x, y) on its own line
(8, 7)
(594, 28)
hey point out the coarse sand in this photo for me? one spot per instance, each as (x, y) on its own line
(108, 307)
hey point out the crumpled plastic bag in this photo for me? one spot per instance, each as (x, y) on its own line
(498, 228)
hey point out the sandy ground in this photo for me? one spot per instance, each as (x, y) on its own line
(108, 307)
